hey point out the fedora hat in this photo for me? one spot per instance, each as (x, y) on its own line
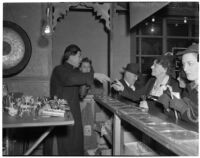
(194, 48)
(133, 68)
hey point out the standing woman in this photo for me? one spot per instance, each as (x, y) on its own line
(66, 80)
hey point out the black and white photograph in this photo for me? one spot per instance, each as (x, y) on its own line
(100, 78)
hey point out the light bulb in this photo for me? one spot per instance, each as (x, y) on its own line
(47, 30)
(185, 20)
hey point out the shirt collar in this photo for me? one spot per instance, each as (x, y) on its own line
(131, 86)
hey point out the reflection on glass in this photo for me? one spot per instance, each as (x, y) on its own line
(151, 28)
(177, 28)
(184, 43)
(152, 46)
(195, 30)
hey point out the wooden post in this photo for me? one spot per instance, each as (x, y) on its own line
(116, 135)
(111, 40)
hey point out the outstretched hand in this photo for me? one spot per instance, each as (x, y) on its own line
(117, 85)
(101, 77)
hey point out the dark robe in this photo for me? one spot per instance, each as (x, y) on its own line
(65, 84)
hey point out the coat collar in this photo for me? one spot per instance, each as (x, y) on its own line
(67, 65)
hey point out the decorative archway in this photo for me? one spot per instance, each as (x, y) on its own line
(101, 10)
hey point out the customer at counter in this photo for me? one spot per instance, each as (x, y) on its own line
(187, 106)
(155, 87)
(130, 76)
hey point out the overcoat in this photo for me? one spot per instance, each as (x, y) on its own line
(65, 83)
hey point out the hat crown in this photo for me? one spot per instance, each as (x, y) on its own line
(133, 68)
(194, 48)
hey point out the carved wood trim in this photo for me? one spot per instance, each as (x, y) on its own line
(101, 11)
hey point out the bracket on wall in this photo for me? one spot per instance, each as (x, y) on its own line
(101, 11)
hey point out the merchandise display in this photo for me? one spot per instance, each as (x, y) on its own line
(29, 106)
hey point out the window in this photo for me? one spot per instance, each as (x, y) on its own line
(158, 36)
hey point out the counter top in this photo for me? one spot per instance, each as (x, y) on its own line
(129, 112)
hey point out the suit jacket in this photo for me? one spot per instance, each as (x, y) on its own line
(135, 95)
(119, 95)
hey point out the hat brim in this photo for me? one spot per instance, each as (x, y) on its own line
(136, 73)
(187, 51)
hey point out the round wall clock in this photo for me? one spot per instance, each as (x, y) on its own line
(16, 49)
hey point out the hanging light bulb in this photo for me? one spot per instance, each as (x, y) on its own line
(47, 29)
(185, 20)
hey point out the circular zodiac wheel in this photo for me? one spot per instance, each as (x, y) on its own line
(16, 49)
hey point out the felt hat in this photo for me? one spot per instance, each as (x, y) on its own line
(133, 68)
(194, 48)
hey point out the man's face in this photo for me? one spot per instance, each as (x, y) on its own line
(75, 59)
(130, 77)
(190, 66)
(157, 69)
(85, 67)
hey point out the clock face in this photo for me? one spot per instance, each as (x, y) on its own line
(13, 48)
(16, 49)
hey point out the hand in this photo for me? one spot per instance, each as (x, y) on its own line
(178, 104)
(164, 100)
(101, 77)
(143, 104)
(117, 85)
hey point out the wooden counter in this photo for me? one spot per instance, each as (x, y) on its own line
(128, 113)
(17, 122)
(50, 122)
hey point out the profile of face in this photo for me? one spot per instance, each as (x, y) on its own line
(130, 77)
(190, 66)
(157, 69)
(75, 59)
(85, 67)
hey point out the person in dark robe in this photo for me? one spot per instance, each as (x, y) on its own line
(66, 80)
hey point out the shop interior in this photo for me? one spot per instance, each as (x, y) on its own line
(111, 35)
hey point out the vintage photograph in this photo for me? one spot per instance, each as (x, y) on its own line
(100, 78)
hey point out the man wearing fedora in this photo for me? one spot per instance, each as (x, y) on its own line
(130, 76)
